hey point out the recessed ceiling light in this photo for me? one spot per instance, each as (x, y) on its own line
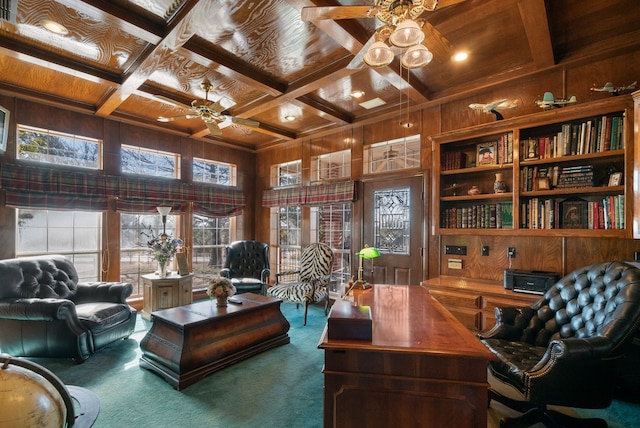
(460, 56)
(357, 94)
(376, 102)
(290, 117)
(54, 27)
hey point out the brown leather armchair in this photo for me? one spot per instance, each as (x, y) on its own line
(247, 266)
(565, 348)
(46, 312)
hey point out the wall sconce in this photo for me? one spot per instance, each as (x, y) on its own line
(164, 212)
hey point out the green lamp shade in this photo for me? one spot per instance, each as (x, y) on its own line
(369, 253)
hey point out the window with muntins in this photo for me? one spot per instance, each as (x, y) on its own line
(402, 153)
(331, 165)
(135, 257)
(74, 234)
(212, 172)
(286, 174)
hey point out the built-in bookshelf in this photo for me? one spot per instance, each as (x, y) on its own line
(567, 171)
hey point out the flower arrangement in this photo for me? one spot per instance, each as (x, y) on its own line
(162, 248)
(220, 287)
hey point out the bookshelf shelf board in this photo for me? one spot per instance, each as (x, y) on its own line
(480, 197)
(503, 167)
(575, 191)
(573, 158)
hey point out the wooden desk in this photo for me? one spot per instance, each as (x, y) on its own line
(423, 368)
(164, 293)
(187, 343)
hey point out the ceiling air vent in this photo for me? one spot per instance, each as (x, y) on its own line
(8, 9)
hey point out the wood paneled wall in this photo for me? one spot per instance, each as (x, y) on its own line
(557, 254)
(114, 134)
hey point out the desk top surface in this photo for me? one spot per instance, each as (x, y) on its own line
(406, 318)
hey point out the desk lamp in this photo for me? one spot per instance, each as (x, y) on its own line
(164, 212)
(366, 253)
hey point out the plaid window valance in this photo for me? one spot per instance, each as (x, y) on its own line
(320, 194)
(35, 187)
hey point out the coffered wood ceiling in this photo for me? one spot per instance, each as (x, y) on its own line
(124, 58)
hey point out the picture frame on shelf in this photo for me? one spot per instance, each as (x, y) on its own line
(4, 128)
(486, 153)
(183, 264)
(615, 179)
(542, 183)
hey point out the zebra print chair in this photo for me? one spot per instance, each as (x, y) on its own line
(309, 284)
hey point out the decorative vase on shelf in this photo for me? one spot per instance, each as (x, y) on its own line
(221, 301)
(162, 269)
(499, 186)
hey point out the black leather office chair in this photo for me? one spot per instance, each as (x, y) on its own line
(565, 348)
(247, 266)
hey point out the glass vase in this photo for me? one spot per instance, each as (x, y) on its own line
(162, 269)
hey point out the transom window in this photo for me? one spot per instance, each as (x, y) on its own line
(57, 148)
(286, 174)
(155, 163)
(402, 153)
(208, 171)
(331, 165)
(74, 234)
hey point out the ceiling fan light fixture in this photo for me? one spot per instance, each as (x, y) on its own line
(378, 55)
(406, 34)
(416, 56)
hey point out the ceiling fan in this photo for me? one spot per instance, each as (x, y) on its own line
(391, 13)
(392, 156)
(211, 112)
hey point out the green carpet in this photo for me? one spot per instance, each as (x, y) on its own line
(281, 387)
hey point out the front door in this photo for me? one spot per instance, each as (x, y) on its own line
(393, 223)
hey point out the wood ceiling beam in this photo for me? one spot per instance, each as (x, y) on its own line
(175, 38)
(228, 65)
(324, 109)
(536, 25)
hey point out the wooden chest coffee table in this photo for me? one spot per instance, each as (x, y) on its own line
(186, 343)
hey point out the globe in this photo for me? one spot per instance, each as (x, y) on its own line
(28, 400)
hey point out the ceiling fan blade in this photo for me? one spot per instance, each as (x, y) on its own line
(245, 122)
(213, 128)
(437, 43)
(171, 119)
(337, 12)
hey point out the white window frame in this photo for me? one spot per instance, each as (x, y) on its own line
(52, 156)
(152, 166)
(214, 178)
(331, 166)
(406, 155)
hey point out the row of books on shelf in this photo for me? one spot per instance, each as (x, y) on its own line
(605, 213)
(555, 177)
(498, 215)
(499, 151)
(590, 136)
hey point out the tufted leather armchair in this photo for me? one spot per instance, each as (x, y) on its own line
(46, 312)
(247, 266)
(564, 349)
